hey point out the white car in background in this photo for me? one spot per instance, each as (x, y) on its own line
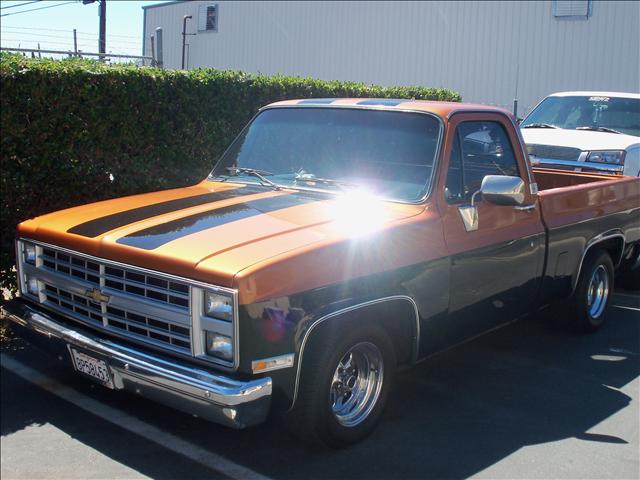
(589, 131)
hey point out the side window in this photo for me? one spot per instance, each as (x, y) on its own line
(483, 148)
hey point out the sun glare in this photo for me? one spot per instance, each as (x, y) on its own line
(358, 213)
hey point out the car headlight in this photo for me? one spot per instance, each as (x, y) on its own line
(32, 286)
(219, 346)
(218, 305)
(29, 253)
(614, 157)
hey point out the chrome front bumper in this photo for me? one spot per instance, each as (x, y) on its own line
(185, 387)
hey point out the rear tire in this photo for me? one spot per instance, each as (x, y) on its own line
(345, 383)
(587, 307)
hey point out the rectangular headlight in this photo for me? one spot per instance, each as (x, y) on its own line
(29, 253)
(219, 346)
(218, 305)
(614, 157)
(32, 286)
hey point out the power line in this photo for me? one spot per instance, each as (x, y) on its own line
(84, 46)
(22, 35)
(34, 9)
(84, 36)
(19, 5)
(87, 46)
(65, 30)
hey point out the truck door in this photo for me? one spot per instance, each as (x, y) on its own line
(495, 270)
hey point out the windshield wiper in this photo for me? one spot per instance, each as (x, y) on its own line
(260, 174)
(540, 125)
(310, 178)
(599, 129)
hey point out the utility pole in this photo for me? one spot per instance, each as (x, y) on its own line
(515, 97)
(159, 53)
(102, 13)
(184, 35)
(75, 42)
(102, 42)
(153, 52)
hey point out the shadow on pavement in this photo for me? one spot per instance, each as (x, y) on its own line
(36, 407)
(450, 417)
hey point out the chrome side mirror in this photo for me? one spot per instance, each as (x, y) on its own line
(497, 189)
(503, 190)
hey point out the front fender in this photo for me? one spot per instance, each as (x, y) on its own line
(417, 294)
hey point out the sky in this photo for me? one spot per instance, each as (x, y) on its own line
(52, 27)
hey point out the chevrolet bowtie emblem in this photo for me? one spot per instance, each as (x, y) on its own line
(97, 296)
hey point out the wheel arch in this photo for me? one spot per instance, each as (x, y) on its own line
(347, 314)
(612, 242)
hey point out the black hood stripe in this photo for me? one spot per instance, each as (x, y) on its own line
(154, 237)
(102, 225)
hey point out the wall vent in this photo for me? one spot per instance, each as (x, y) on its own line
(572, 8)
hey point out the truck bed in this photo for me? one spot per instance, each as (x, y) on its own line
(578, 209)
(571, 197)
(548, 178)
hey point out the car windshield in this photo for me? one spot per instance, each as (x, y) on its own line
(601, 113)
(386, 153)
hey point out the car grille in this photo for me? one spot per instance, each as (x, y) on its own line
(143, 306)
(140, 284)
(554, 152)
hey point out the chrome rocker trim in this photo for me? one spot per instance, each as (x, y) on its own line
(222, 400)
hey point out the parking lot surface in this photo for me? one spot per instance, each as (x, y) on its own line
(524, 401)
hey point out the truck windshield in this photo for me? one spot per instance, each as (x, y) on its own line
(387, 153)
(605, 114)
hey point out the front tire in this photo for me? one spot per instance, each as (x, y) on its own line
(345, 383)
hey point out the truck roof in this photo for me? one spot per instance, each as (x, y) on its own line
(442, 109)
(596, 94)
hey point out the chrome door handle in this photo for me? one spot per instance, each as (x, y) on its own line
(526, 208)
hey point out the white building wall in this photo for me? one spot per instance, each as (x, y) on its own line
(473, 47)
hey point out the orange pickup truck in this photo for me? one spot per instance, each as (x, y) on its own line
(334, 241)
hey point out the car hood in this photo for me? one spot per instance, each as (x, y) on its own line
(582, 139)
(213, 230)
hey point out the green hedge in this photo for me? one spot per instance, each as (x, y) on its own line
(70, 126)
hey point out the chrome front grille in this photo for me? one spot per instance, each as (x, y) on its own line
(143, 306)
(159, 330)
(554, 152)
(125, 280)
(89, 311)
(140, 326)
(127, 301)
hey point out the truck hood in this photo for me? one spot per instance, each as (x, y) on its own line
(213, 230)
(582, 139)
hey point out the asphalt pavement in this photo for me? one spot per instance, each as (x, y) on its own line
(524, 401)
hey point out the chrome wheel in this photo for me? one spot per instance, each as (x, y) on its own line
(356, 384)
(598, 291)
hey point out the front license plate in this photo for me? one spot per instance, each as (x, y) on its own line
(91, 366)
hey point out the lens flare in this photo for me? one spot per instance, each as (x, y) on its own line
(358, 213)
